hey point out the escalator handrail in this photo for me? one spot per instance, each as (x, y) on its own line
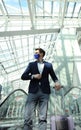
(26, 93)
(71, 89)
(11, 94)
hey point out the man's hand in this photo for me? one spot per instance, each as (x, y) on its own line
(57, 86)
(37, 76)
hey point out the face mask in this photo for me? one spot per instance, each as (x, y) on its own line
(36, 56)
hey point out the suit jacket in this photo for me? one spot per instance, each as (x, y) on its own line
(43, 83)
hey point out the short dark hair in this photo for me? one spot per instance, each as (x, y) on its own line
(41, 50)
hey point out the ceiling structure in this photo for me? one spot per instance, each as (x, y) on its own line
(39, 14)
(27, 24)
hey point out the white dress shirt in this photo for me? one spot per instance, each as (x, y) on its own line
(40, 67)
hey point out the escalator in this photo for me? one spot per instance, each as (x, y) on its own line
(73, 102)
(12, 110)
(69, 101)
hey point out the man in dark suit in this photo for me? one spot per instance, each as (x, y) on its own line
(39, 89)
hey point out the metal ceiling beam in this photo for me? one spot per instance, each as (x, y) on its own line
(31, 12)
(3, 13)
(62, 11)
(28, 32)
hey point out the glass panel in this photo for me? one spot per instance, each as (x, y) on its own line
(70, 9)
(39, 8)
(55, 8)
(47, 4)
(73, 104)
(77, 8)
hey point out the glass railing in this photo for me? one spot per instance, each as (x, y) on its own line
(73, 103)
(61, 105)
